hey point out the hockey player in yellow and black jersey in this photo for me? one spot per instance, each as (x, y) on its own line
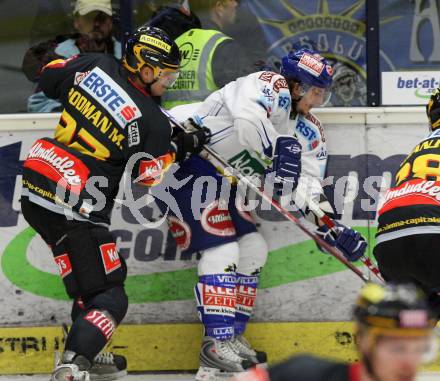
(408, 233)
(109, 119)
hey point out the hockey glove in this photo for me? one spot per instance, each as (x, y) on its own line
(286, 163)
(187, 143)
(347, 240)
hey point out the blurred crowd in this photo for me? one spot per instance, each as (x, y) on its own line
(94, 26)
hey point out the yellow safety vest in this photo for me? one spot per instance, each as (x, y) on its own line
(196, 81)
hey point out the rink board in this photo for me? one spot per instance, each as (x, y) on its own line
(169, 347)
(175, 347)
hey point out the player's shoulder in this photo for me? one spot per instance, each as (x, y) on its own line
(274, 80)
(85, 62)
(309, 368)
(313, 119)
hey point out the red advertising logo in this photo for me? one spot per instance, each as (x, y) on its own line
(217, 220)
(246, 295)
(64, 265)
(110, 257)
(151, 171)
(218, 296)
(180, 231)
(102, 322)
(280, 83)
(58, 165)
(128, 112)
(266, 76)
(312, 64)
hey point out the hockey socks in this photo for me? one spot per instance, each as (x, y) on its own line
(216, 299)
(246, 291)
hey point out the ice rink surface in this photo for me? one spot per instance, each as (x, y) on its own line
(168, 377)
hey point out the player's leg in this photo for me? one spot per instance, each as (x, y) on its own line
(106, 365)
(426, 267)
(414, 259)
(253, 255)
(97, 275)
(393, 259)
(213, 234)
(90, 268)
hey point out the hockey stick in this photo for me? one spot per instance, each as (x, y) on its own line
(331, 224)
(230, 171)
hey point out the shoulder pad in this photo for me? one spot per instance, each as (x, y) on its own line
(276, 80)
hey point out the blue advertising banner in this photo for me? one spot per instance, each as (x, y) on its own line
(410, 43)
(410, 35)
(335, 29)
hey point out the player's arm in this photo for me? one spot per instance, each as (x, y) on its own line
(252, 103)
(260, 101)
(162, 149)
(155, 153)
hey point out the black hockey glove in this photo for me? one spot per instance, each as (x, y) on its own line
(187, 143)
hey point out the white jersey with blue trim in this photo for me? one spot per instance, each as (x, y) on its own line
(245, 118)
(306, 128)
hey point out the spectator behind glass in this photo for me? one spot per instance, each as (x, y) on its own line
(247, 31)
(215, 58)
(94, 25)
(175, 19)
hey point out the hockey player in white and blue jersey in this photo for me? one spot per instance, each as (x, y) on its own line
(258, 124)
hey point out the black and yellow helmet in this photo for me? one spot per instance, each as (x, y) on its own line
(394, 310)
(152, 47)
(433, 110)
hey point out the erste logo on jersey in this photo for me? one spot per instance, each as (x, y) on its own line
(309, 116)
(307, 131)
(311, 64)
(111, 96)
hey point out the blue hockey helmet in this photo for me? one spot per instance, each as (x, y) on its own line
(310, 70)
(307, 67)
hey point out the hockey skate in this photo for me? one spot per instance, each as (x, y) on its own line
(219, 361)
(244, 349)
(69, 372)
(106, 366)
(66, 371)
